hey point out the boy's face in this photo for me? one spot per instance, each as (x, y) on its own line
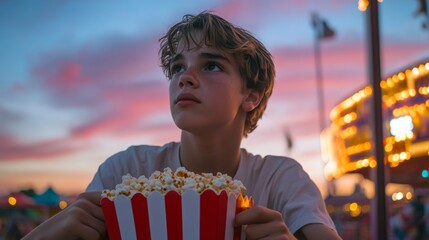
(206, 91)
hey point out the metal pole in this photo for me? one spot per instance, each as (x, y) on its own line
(319, 83)
(426, 25)
(374, 67)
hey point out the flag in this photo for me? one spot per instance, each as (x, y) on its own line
(423, 8)
(322, 28)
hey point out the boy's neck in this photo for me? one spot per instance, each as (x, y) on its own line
(210, 155)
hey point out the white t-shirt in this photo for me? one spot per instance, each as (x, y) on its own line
(275, 182)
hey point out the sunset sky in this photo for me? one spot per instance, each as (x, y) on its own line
(80, 80)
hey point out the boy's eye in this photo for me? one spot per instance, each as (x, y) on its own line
(177, 69)
(212, 66)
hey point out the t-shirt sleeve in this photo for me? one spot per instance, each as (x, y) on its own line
(97, 182)
(299, 199)
(135, 160)
(109, 173)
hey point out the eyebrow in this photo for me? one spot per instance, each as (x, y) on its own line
(206, 55)
(176, 57)
(214, 56)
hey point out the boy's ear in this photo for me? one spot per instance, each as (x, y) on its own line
(251, 100)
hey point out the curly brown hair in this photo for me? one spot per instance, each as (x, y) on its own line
(255, 63)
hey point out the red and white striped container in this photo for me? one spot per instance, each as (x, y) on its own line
(206, 216)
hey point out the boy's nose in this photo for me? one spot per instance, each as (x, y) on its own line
(188, 79)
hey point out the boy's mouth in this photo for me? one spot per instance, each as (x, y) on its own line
(186, 97)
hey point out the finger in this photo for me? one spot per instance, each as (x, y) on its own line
(94, 197)
(87, 219)
(97, 212)
(254, 233)
(77, 219)
(87, 232)
(269, 230)
(89, 208)
(96, 225)
(256, 214)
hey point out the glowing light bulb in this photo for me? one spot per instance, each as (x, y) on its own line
(62, 204)
(11, 201)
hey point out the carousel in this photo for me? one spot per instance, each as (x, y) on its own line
(347, 142)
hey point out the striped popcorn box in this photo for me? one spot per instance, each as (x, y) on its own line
(188, 216)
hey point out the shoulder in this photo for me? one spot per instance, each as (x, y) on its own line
(274, 174)
(142, 153)
(268, 159)
(269, 165)
(136, 160)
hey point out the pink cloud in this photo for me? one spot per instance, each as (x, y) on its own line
(344, 66)
(11, 149)
(86, 72)
(397, 55)
(344, 70)
(68, 78)
(111, 79)
(254, 10)
(124, 118)
(296, 76)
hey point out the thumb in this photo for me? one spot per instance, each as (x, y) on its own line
(93, 197)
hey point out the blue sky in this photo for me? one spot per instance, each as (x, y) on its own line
(80, 80)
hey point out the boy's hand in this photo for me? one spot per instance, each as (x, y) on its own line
(83, 219)
(263, 223)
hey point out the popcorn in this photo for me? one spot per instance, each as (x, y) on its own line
(175, 205)
(180, 181)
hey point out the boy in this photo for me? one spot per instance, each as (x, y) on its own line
(221, 78)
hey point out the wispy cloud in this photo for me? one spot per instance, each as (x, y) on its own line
(118, 83)
(12, 149)
(96, 66)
